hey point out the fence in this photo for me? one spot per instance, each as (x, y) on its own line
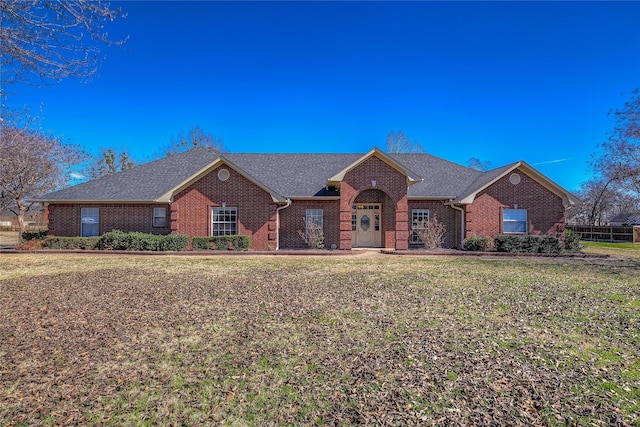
(607, 233)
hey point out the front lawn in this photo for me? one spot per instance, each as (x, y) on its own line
(628, 250)
(266, 340)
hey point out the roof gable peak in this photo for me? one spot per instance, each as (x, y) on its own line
(412, 177)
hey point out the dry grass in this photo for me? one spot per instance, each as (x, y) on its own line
(146, 340)
(8, 238)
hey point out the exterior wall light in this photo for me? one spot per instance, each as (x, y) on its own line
(373, 182)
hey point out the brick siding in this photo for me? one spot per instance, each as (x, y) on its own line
(448, 216)
(64, 219)
(191, 209)
(388, 181)
(292, 219)
(545, 210)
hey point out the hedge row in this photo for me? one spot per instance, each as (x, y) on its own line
(85, 243)
(525, 243)
(528, 244)
(235, 242)
(119, 240)
(135, 241)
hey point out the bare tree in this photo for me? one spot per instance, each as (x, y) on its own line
(619, 160)
(46, 41)
(109, 162)
(31, 164)
(398, 142)
(479, 165)
(602, 200)
(616, 182)
(195, 137)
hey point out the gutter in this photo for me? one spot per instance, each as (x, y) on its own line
(278, 209)
(462, 230)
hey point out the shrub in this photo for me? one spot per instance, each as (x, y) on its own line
(174, 242)
(528, 244)
(136, 241)
(34, 235)
(572, 241)
(234, 242)
(114, 240)
(84, 243)
(549, 245)
(431, 233)
(476, 243)
(313, 234)
(30, 245)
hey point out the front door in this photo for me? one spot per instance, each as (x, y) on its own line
(365, 226)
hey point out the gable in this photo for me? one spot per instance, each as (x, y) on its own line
(490, 178)
(217, 164)
(411, 177)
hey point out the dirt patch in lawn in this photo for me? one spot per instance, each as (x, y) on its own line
(318, 341)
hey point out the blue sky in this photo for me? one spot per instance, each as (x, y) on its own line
(499, 81)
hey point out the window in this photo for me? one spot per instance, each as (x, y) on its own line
(224, 221)
(418, 219)
(90, 222)
(514, 221)
(313, 220)
(159, 217)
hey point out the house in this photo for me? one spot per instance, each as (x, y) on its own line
(374, 199)
(35, 217)
(625, 219)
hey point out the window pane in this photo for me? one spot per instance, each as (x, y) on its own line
(159, 217)
(313, 219)
(418, 218)
(90, 222)
(514, 221)
(224, 221)
(515, 215)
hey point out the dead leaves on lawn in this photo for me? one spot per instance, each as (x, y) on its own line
(293, 341)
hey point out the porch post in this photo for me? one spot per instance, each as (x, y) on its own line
(402, 224)
(346, 196)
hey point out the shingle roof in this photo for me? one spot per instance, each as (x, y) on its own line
(294, 175)
(146, 182)
(483, 179)
(290, 175)
(626, 218)
(441, 178)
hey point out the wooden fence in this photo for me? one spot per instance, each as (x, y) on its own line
(607, 233)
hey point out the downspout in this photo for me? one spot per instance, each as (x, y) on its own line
(458, 208)
(278, 223)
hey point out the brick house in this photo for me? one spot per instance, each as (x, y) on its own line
(360, 200)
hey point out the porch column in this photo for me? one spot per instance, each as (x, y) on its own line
(402, 224)
(347, 194)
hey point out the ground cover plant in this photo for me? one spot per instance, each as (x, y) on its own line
(270, 340)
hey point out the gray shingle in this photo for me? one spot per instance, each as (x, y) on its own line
(292, 175)
(145, 182)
